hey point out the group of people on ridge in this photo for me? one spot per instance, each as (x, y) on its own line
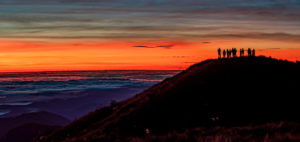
(233, 53)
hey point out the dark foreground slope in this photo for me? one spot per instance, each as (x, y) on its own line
(227, 93)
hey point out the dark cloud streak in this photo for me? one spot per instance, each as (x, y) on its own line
(158, 46)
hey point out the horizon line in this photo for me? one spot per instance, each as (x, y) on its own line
(7, 72)
(80, 70)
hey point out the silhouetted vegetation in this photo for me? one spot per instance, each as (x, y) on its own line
(281, 131)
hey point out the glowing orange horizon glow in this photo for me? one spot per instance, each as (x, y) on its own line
(24, 56)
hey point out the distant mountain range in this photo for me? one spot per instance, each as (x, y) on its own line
(213, 94)
(26, 127)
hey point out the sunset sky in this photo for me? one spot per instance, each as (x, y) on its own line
(39, 35)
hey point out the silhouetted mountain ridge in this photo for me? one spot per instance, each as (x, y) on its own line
(16, 125)
(28, 132)
(226, 92)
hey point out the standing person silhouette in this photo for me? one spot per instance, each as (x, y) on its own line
(241, 52)
(219, 53)
(253, 52)
(249, 52)
(224, 53)
(234, 52)
(229, 53)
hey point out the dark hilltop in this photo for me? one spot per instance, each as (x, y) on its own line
(237, 99)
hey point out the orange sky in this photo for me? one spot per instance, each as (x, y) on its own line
(29, 55)
(39, 35)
